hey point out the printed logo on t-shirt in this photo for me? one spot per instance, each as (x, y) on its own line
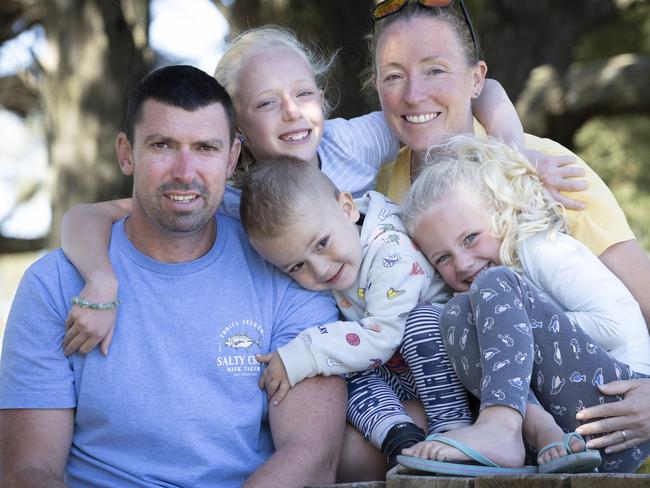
(239, 342)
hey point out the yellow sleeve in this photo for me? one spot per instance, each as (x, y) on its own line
(394, 179)
(602, 224)
(384, 177)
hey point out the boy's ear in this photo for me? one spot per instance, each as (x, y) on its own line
(124, 154)
(346, 202)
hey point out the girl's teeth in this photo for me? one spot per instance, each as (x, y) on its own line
(296, 136)
(420, 119)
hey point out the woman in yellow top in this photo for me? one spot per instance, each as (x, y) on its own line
(427, 69)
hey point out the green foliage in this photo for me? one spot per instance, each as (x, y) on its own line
(645, 468)
(628, 33)
(618, 149)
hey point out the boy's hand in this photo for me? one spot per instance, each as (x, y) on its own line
(86, 327)
(274, 378)
(556, 175)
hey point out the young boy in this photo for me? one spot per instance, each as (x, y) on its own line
(298, 220)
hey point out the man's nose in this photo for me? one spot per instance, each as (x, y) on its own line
(184, 169)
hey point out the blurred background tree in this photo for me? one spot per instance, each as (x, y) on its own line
(577, 71)
(97, 51)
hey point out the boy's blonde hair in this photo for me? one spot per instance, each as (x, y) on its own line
(276, 193)
(256, 40)
(502, 180)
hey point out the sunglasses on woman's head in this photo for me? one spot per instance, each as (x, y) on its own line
(389, 7)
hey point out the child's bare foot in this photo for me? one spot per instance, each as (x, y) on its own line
(497, 422)
(540, 430)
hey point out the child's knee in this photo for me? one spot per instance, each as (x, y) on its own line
(454, 312)
(500, 278)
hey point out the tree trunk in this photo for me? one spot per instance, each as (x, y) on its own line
(556, 104)
(97, 58)
(518, 35)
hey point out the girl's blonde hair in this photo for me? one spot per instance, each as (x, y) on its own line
(502, 180)
(256, 40)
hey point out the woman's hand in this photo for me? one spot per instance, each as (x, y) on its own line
(556, 175)
(625, 423)
(274, 378)
(87, 327)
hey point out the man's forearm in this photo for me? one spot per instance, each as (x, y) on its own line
(31, 478)
(307, 429)
(34, 447)
(291, 467)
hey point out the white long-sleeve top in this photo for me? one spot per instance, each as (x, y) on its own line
(592, 296)
(393, 279)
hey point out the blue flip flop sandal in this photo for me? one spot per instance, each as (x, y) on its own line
(573, 462)
(481, 465)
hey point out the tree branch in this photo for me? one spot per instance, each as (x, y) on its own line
(556, 104)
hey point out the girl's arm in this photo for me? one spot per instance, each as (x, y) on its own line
(498, 115)
(590, 293)
(85, 234)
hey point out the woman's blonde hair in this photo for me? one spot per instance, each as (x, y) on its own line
(502, 180)
(256, 40)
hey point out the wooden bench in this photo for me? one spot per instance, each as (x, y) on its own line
(403, 478)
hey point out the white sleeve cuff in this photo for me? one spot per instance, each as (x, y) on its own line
(298, 359)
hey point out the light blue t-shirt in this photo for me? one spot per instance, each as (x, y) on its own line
(351, 154)
(176, 402)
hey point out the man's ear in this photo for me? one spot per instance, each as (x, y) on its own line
(346, 203)
(124, 154)
(233, 157)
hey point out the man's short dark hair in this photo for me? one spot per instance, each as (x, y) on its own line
(180, 86)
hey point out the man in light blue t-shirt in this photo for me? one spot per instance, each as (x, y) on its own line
(177, 402)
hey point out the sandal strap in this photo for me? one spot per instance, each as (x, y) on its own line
(465, 449)
(566, 438)
(564, 443)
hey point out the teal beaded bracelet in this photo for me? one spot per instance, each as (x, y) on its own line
(83, 303)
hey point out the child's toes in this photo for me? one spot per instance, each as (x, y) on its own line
(559, 452)
(549, 455)
(577, 445)
(417, 450)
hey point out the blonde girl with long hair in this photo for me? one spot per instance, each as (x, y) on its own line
(537, 321)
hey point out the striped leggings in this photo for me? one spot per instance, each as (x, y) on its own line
(420, 370)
